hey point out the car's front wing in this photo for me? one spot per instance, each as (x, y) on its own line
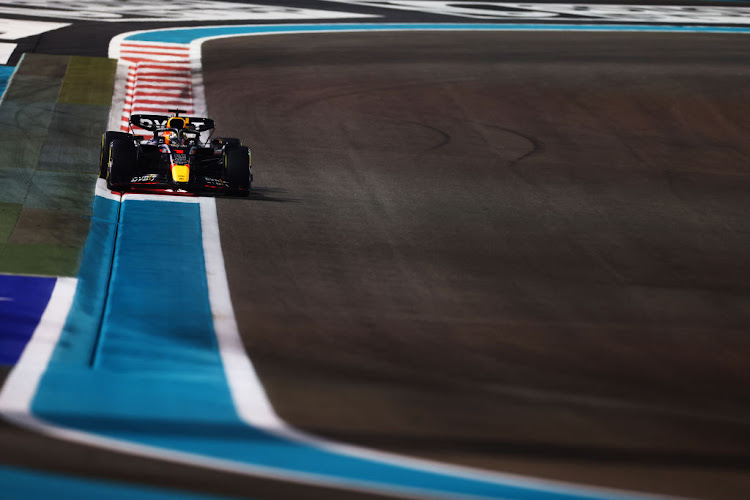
(160, 183)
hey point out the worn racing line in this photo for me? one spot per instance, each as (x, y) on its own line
(524, 252)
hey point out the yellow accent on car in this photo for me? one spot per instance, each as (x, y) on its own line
(180, 173)
(178, 122)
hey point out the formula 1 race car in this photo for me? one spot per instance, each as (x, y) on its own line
(175, 160)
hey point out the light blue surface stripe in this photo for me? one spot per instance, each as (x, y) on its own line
(78, 338)
(6, 72)
(24, 484)
(187, 35)
(158, 316)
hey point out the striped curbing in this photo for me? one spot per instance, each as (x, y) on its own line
(158, 79)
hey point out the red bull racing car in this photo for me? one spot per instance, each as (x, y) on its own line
(174, 160)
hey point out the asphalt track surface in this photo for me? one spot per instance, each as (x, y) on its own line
(525, 252)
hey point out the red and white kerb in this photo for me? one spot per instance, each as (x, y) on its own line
(159, 79)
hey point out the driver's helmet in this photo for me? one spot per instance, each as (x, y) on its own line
(176, 138)
(170, 137)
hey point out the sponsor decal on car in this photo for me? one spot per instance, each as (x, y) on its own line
(150, 123)
(180, 158)
(144, 178)
(212, 181)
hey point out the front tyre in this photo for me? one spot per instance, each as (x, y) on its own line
(122, 163)
(237, 169)
(107, 138)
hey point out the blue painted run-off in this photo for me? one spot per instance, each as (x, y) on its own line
(78, 338)
(5, 73)
(24, 484)
(187, 35)
(23, 300)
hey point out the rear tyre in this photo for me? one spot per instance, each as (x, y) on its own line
(237, 169)
(122, 163)
(107, 138)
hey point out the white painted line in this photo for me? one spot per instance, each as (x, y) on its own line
(154, 100)
(7, 299)
(176, 72)
(174, 79)
(151, 106)
(21, 384)
(160, 197)
(247, 391)
(13, 29)
(142, 53)
(176, 75)
(116, 109)
(163, 110)
(101, 190)
(138, 59)
(153, 56)
(6, 50)
(171, 92)
(176, 48)
(136, 43)
(151, 49)
(138, 102)
(155, 83)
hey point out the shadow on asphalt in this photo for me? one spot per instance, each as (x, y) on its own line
(266, 194)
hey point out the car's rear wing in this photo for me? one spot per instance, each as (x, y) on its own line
(153, 123)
